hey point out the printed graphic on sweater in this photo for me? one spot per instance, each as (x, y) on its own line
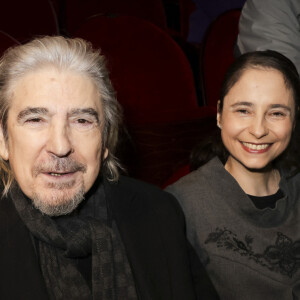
(283, 256)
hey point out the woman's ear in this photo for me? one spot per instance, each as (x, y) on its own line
(219, 116)
(3, 146)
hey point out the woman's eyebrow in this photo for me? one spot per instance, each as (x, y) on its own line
(271, 106)
(281, 106)
(242, 103)
(30, 111)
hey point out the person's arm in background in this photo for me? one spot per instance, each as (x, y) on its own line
(271, 24)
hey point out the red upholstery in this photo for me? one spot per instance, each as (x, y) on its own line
(25, 19)
(58, 7)
(6, 41)
(151, 74)
(155, 86)
(159, 150)
(177, 175)
(78, 11)
(218, 48)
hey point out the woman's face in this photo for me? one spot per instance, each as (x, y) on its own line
(257, 119)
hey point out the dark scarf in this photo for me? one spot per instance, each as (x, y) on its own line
(63, 240)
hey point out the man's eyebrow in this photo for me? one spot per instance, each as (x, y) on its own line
(85, 111)
(32, 110)
(242, 103)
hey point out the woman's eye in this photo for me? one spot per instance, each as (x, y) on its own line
(243, 111)
(278, 114)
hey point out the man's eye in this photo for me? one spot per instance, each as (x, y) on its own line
(83, 121)
(34, 120)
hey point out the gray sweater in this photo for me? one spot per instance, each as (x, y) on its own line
(249, 253)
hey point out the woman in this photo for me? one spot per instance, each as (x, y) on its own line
(243, 206)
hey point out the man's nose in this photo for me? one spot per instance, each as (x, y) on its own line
(59, 140)
(259, 127)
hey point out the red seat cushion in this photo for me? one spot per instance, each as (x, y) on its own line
(218, 53)
(151, 74)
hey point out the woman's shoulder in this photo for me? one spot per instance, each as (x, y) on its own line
(290, 182)
(199, 180)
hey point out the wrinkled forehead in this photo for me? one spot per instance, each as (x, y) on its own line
(17, 75)
(59, 93)
(46, 80)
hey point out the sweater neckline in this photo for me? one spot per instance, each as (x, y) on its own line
(234, 196)
(262, 202)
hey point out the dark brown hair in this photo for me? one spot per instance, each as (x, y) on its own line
(263, 60)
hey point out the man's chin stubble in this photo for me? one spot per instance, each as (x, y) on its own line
(58, 205)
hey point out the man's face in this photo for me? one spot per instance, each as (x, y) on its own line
(54, 138)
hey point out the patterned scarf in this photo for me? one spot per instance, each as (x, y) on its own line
(61, 241)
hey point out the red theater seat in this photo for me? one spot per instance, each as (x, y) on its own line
(25, 19)
(177, 175)
(6, 41)
(150, 72)
(218, 49)
(78, 11)
(155, 86)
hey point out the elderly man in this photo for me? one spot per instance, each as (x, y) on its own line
(70, 226)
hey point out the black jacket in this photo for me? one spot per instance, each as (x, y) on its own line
(152, 228)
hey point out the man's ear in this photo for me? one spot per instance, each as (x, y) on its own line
(219, 115)
(3, 146)
(105, 154)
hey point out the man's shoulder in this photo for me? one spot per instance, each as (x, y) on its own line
(135, 187)
(8, 213)
(135, 194)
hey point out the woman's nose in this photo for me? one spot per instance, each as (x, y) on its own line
(259, 127)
